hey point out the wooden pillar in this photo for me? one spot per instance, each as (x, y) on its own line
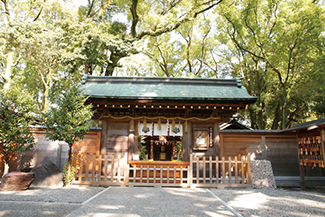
(301, 168)
(187, 142)
(216, 139)
(151, 150)
(132, 143)
(103, 141)
(263, 148)
(322, 134)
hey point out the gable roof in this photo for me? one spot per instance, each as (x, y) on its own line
(162, 88)
(234, 125)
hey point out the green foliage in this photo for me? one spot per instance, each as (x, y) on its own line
(70, 119)
(179, 147)
(276, 45)
(16, 116)
(143, 153)
(68, 179)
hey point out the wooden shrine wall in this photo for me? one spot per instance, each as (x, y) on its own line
(115, 138)
(280, 149)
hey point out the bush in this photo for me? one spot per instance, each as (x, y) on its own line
(67, 179)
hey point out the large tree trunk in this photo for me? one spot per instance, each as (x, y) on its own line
(45, 103)
(69, 165)
(284, 107)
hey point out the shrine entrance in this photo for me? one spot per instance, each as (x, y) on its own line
(161, 148)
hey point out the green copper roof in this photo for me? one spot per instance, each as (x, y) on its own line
(158, 88)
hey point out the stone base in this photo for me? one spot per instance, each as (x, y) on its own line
(16, 181)
(262, 174)
(47, 174)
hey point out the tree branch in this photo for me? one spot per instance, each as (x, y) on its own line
(91, 5)
(170, 6)
(103, 7)
(40, 11)
(7, 12)
(135, 17)
(190, 15)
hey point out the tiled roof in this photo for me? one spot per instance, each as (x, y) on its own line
(308, 125)
(158, 88)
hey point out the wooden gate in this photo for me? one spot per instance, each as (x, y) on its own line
(202, 171)
(159, 174)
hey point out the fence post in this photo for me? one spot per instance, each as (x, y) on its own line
(217, 170)
(127, 175)
(242, 170)
(119, 168)
(105, 167)
(190, 172)
(236, 170)
(210, 169)
(126, 170)
(197, 170)
(99, 168)
(87, 168)
(93, 169)
(223, 171)
(229, 170)
(204, 170)
(249, 169)
(112, 168)
(81, 167)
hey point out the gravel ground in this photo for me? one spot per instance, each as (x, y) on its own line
(71, 194)
(275, 202)
(148, 201)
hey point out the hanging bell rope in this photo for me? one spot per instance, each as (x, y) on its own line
(173, 125)
(159, 124)
(145, 124)
(132, 124)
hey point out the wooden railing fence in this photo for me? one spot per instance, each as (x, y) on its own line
(202, 172)
(225, 172)
(99, 170)
(159, 175)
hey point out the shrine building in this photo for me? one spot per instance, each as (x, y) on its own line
(169, 118)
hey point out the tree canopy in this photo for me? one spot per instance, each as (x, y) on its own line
(69, 120)
(277, 46)
(16, 114)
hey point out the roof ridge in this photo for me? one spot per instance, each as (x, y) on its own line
(166, 80)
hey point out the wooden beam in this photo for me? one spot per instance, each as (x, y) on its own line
(216, 139)
(103, 142)
(187, 142)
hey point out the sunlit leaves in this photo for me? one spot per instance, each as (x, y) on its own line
(70, 119)
(16, 115)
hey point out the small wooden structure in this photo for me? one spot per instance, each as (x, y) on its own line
(311, 148)
(170, 118)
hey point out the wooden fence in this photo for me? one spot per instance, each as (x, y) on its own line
(225, 172)
(159, 175)
(201, 172)
(99, 170)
